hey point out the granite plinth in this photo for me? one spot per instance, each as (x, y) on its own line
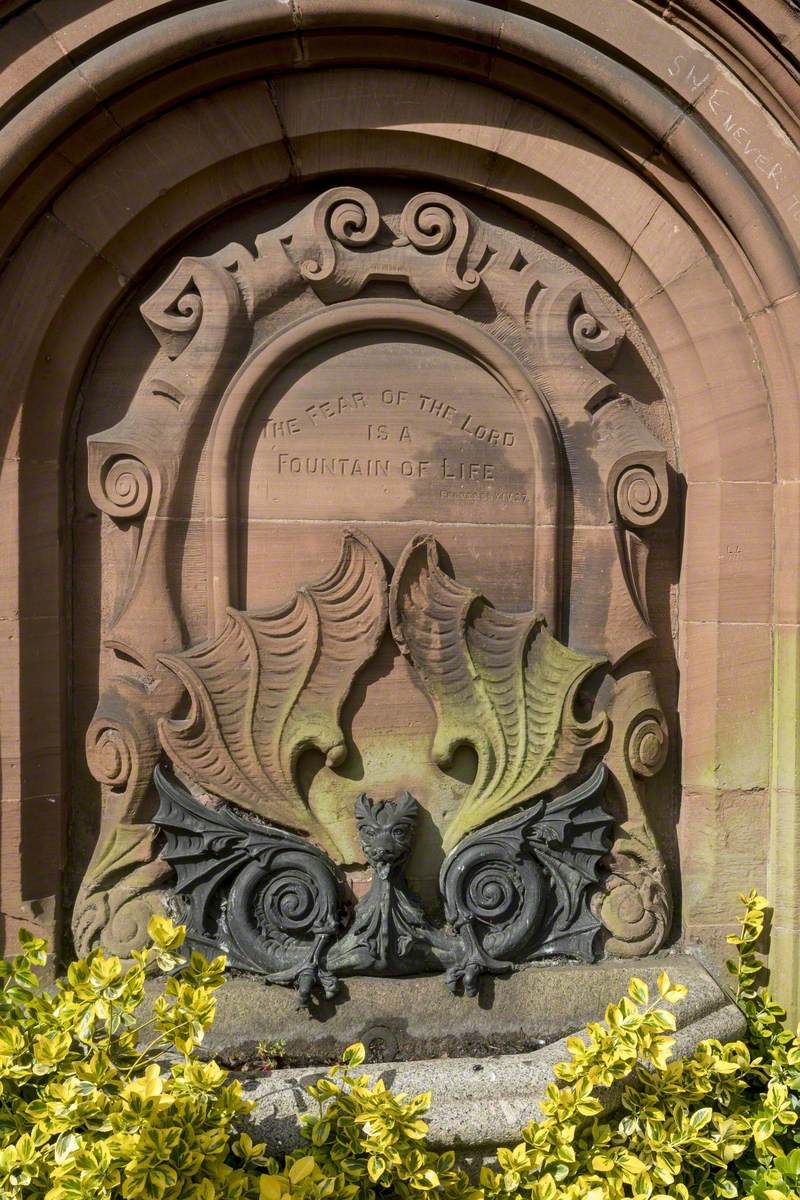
(478, 1103)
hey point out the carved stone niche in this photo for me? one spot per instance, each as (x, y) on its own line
(372, 566)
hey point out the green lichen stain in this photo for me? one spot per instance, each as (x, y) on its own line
(498, 681)
(383, 764)
(734, 749)
(784, 851)
(786, 708)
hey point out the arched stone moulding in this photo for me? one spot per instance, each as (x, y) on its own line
(366, 315)
(733, 255)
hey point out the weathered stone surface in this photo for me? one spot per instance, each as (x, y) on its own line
(419, 1019)
(476, 1103)
(672, 173)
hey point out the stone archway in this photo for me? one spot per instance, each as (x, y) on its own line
(674, 176)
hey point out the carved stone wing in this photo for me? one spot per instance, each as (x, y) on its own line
(429, 612)
(555, 739)
(498, 681)
(351, 608)
(272, 684)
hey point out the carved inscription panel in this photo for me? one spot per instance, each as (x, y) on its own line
(403, 426)
(385, 431)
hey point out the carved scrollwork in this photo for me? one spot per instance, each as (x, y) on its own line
(648, 743)
(135, 469)
(636, 908)
(351, 217)
(118, 920)
(577, 340)
(127, 487)
(428, 223)
(136, 466)
(109, 753)
(175, 312)
(339, 243)
(122, 886)
(348, 216)
(435, 224)
(175, 317)
(596, 336)
(640, 499)
(633, 462)
(121, 743)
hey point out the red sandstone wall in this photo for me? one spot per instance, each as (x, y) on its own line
(659, 140)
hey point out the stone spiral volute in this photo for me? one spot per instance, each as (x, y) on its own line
(636, 907)
(347, 216)
(108, 753)
(648, 743)
(640, 499)
(127, 487)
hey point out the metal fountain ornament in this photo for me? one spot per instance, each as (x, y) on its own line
(258, 868)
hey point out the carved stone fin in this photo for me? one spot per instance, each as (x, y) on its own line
(428, 612)
(272, 684)
(499, 682)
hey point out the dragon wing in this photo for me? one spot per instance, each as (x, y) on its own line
(498, 681)
(272, 684)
